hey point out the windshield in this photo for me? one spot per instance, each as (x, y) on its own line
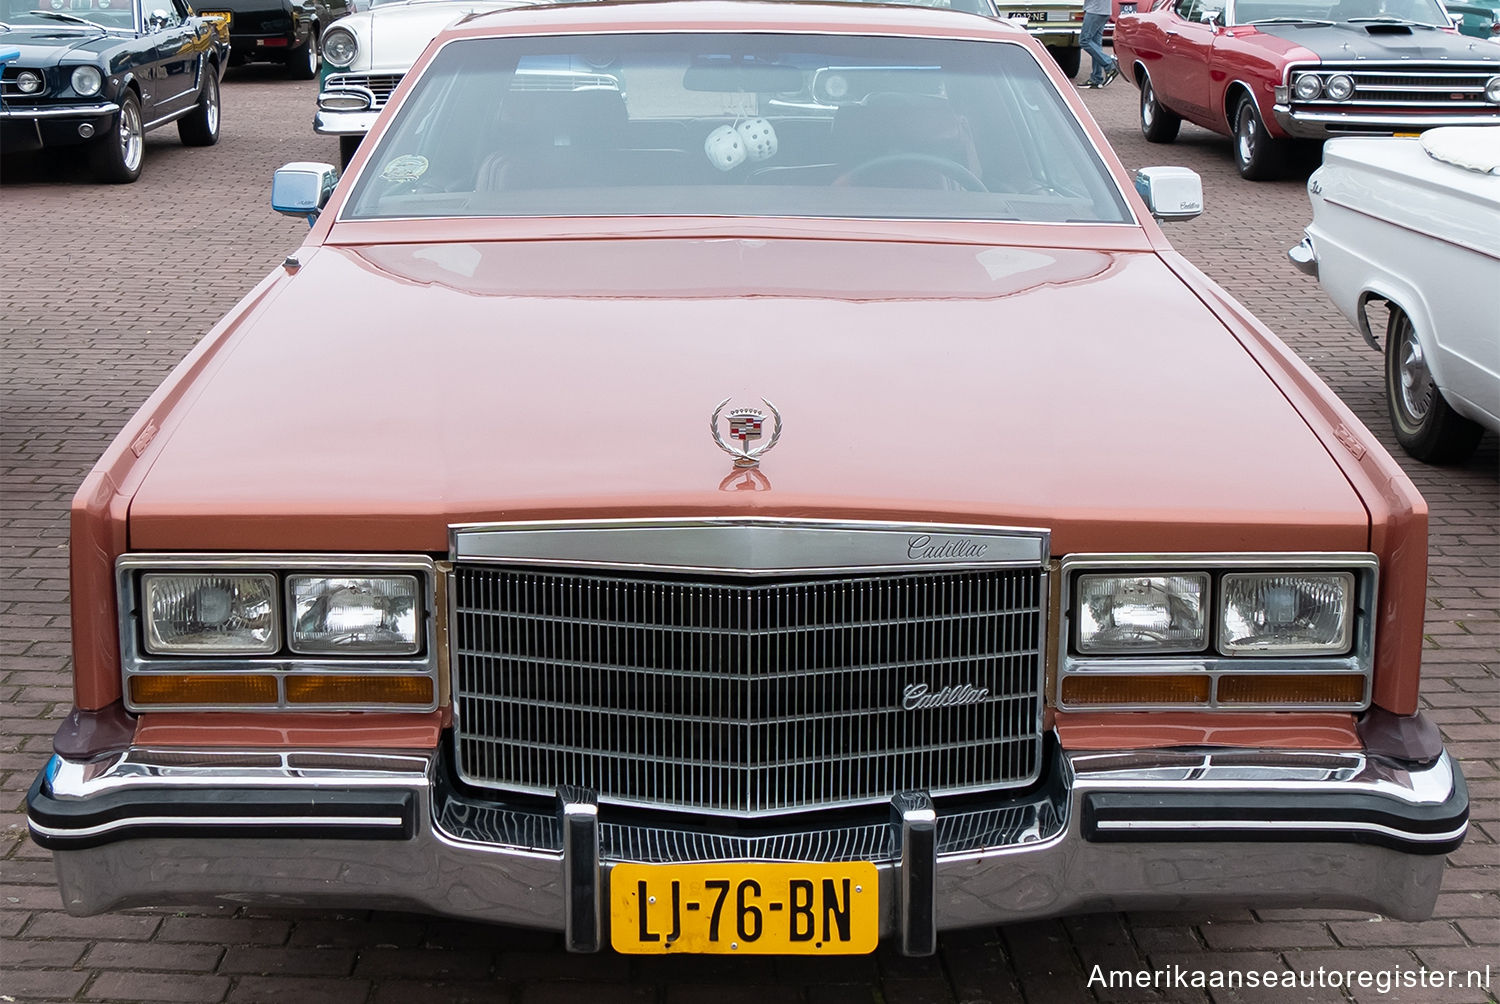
(114, 14)
(736, 125)
(1414, 11)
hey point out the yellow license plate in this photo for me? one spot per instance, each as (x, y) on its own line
(745, 908)
(1408, 135)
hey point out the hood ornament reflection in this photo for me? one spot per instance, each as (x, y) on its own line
(745, 426)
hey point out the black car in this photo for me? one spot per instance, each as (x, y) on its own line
(275, 31)
(103, 72)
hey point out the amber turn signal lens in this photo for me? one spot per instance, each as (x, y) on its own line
(1283, 688)
(1179, 689)
(369, 689)
(202, 689)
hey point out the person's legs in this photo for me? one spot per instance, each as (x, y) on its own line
(1092, 41)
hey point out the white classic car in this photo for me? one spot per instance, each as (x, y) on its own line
(366, 54)
(1415, 222)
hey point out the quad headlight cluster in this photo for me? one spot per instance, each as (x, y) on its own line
(1270, 631)
(308, 631)
(1331, 87)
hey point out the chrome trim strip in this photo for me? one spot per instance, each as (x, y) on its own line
(1275, 825)
(190, 822)
(751, 545)
(1360, 659)
(1388, 221)
(169, 118)
(136, 661)
(73, 111)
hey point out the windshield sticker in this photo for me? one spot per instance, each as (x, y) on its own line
(407, 167)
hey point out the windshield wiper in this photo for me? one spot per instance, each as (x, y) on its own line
(1287, 20)
(65, 17)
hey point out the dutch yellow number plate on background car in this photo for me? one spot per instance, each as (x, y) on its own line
(745, 908)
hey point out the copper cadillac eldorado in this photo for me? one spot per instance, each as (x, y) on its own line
(789, 498)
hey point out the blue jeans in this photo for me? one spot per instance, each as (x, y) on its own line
(1092, 41)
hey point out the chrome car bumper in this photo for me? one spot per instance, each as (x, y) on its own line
(337, 123)
(1303, 124)
(1304, 257)
(1104, 831)
(60, 111)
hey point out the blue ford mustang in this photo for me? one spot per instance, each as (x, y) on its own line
(103, 72)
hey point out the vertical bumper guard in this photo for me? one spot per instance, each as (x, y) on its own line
(582, 919)
(916, 820)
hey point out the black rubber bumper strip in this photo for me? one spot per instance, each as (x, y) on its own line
(260, 813)
(1284, 817)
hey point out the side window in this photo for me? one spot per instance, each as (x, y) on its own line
(181, 9)
(1187, 9)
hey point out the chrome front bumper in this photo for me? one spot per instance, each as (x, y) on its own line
(1304, 124)
(337, 123)
(94, 110)
(1105, 831)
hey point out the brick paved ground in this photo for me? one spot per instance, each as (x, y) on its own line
(106, 287)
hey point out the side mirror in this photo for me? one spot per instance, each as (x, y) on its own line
(1214, 18)
(302, 189)
(1171, 193)
(158, 19)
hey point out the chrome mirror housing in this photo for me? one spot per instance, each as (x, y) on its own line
(302, 188)
(1171, 193)
(158, 19)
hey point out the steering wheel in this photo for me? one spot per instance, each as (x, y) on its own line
(951, 169)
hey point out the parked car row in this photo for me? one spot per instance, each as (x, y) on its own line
(1271, 74)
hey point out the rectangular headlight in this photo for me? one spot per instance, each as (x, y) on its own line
(210, 613)
(1142, 613)
(1286, 613)
(355, 615)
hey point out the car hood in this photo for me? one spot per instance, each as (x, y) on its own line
(382, 393)
(42, 46)
(1344, 41)
(395, 35)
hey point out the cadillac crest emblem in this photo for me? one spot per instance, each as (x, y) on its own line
(745, 426)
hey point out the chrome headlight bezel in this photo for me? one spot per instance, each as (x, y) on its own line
(1312, 91)
(286, 667)
(87, 81)
(30, 83)
(1212, 663)
(1492, 85)
(339, 46)
(1339, 87)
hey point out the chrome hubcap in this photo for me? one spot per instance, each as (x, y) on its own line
(211, 102)
(1247, 138)
(1415, 377)
(1148, 105)
(131, 142)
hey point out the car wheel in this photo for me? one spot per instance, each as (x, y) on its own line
(1158, 124)
(116, 156)
(1068, 59)
(1258, 155)
(200, 127)
(1426, 427)
(348, 145)
(302, 62)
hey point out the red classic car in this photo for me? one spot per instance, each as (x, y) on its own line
(468, 566)
(1270, 72)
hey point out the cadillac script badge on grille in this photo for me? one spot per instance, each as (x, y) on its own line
(745, 426)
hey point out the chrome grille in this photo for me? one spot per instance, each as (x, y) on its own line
(1431, 86)
(745, 696)
(379, 84)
